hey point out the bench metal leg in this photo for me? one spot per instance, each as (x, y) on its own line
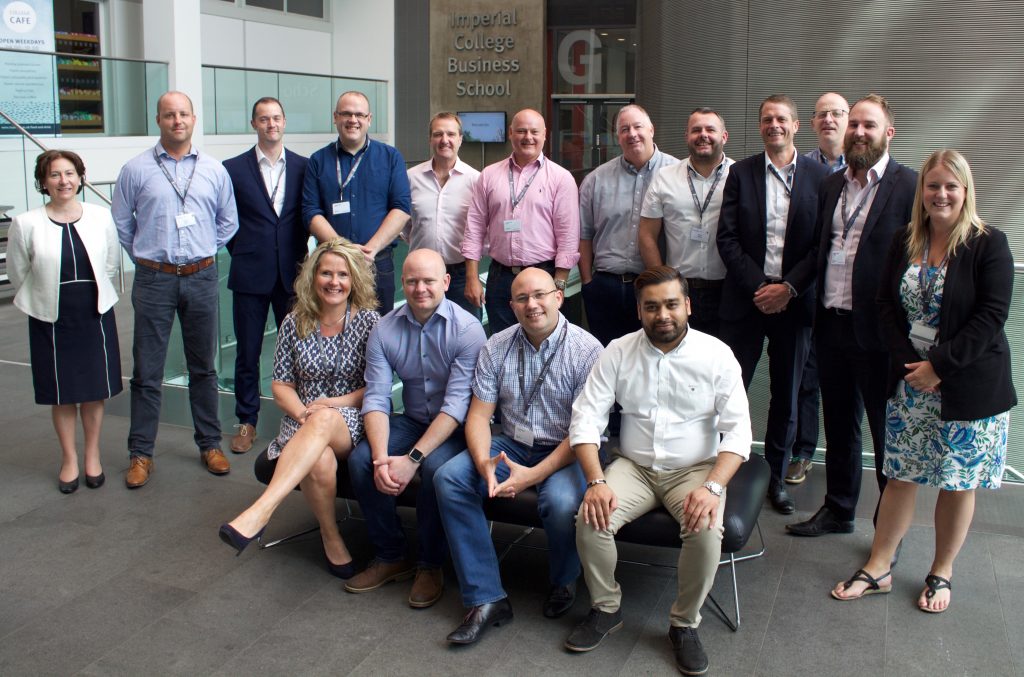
(292, 537)
(731, 561)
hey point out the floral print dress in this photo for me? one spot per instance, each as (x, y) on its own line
(921, 447)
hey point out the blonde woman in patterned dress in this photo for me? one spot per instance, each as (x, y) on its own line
(944, 299)
(318, 383)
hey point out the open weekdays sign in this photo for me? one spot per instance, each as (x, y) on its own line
(28, 89)
(477, 53)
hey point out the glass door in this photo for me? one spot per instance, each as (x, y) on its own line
(583, 133)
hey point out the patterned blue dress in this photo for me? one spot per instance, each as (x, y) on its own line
(921, 447)
(317, 373)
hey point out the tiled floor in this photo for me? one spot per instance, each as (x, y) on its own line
(136, 582)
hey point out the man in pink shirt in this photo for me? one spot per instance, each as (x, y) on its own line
(526, 210)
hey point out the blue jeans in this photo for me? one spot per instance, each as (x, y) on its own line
(611, 307)
(461, 491)
(457, 290)
(249, 313)
(379, 510)
(157, 297)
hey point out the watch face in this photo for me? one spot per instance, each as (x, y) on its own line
(415, 455)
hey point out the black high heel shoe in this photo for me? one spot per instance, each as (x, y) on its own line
(235, 539)
(67, 487)
(342, 571)
(95, 481)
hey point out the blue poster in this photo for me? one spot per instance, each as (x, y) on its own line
(28, 91)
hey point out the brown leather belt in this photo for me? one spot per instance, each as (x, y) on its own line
(624, 278)
(549, 266)
(181, 269)
(698, 283)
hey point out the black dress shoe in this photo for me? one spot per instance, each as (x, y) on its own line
(780, 498)
(67, 487)
(560, 600)
(95, 481)
(823, 522)
(479, 619)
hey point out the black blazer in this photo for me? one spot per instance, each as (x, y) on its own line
(265, 243)
(742, 231)
(972, 356)
(889, 213)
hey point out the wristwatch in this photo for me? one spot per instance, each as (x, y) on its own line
(416, 456)
(560, 285)
(714, 487)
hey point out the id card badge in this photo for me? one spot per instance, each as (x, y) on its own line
(922, 336)
(185, 220)
(341, 208)
(837, 257)
(513, 225)
(523, 436)
(700, 235)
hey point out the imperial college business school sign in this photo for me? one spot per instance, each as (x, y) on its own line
(486, 55)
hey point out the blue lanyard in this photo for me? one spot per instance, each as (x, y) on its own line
(787, 183)
(352, 172)
(707, 198)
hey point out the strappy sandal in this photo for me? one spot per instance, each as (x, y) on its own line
(861, 576)
(934, 584)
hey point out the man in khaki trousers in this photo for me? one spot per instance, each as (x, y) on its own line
(685, 432)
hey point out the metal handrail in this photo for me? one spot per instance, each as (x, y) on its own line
(27, 134)
(84, 56)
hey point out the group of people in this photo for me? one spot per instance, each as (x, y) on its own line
(838, 258)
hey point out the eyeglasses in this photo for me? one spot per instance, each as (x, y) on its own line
(350, 114)
(537, 296)
(836, 113)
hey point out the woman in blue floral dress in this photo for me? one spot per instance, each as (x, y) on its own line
(944, 299)
(318, 383)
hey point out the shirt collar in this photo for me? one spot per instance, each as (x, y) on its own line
(460, 167)
(261, 157)
(443, 309)
(555, 335)
(628, 167)
(162, 152)
(875, 173)
(790, 167)
(657, 351)
(339, 149)
(512, 161)
(718, 167)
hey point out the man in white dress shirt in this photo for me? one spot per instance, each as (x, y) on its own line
(685, 432)
(441, 189)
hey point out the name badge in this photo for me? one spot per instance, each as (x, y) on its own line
(922, 336)
(341, 208)
(185, 220)
(523, 435)
(700, 234)
(837, 257)
(513, 225)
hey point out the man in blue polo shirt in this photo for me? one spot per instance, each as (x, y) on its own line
(358, 189)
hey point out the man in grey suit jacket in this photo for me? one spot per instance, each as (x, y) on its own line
(265, 253)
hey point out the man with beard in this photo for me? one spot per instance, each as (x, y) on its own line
(829, 123)
(526, 209)
(610, 200)
(685, 201)
(766, 237)
(677, 450)
(860, 210)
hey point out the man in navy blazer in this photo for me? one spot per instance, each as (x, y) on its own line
(265, 253)
(766, 238)
(860, 210)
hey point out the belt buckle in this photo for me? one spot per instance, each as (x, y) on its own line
(178, 268)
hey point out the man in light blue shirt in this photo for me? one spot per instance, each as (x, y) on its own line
(174, 208)
(432, 344)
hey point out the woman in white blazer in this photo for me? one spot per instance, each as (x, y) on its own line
(59, 259)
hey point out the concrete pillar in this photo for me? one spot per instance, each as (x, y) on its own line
(171, 33)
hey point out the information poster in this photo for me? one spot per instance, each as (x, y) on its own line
(28, 83)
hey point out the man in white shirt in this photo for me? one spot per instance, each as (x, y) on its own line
(441, 189)
(685, 432)
(684, 201)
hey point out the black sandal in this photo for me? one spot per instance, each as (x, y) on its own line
(934, 584)
(861, 576)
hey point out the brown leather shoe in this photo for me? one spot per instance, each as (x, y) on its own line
(427, 588)
(378, 573)
(139, 470)
(215, 461)
(244, 439)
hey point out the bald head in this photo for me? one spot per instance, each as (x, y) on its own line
(527, 134)
(176, 120)
(424, 282)
(535, 302)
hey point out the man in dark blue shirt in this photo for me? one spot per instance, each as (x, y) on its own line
(358, 189)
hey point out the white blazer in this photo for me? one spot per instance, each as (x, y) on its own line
(34, 255)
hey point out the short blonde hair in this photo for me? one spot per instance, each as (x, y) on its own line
(362, 295)
(968, 223)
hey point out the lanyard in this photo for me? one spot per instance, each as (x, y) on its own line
(849, 221)
(181, 194)
(352, 172)
(512, 186)
(543, 370)
(336, 367)
(927, 281)
(786, 182)
(707, 198)
(276, 185)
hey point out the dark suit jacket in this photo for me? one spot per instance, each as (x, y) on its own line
(266, 243)
(742, 233)
(972, 356)
(889, 213)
